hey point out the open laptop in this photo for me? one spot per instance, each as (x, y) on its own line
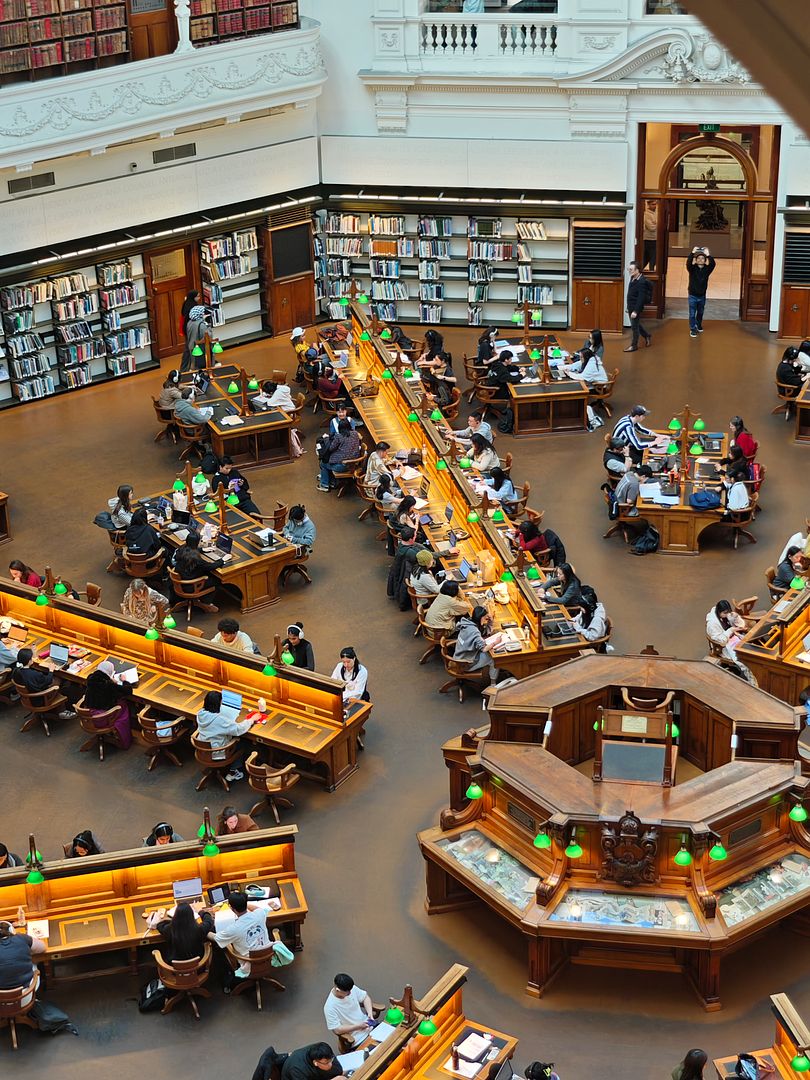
(180, 517)
(449, 544)
(231, 704)
(187, 891)
(262, 538)
(224, 543)
(58, 655)
(461, 572)
(163, 506)
(202, 382)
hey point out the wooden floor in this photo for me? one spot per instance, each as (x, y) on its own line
(357, 854)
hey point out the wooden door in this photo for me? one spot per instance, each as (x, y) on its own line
(171, 273)
(292, 303)
(152, 28)
(794, 312)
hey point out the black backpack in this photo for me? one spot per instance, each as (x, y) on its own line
(647, 543)
(51, 1019)
(152, 997)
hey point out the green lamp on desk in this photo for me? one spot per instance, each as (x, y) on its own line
(207, 835)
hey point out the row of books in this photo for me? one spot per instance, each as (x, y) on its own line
(68, 284)
(484, 227)
(344, 245)
(121, 365)
(535, 294)
(236, 266)
(389, 290)
(76, 307)
(80, 351)
(75, 331)
(430, 313)
(490, 250)
(479, 271)
(392, 225)
(384, 268)
(429, 291)
(531, 230)
(16, 322)
(342, 223)
(27, 366)
(134, 337)
(385, 312)
(477, 294)
(429, 270)
(17, 296)
(212, 293)
(115, 273)
(34, 388)
(433, 226)
(76, 376)
(434, 249)
(337, 267)
(24, 343)
(120, 296)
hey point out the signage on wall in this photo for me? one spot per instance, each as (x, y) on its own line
(140, 7)
(708, 129)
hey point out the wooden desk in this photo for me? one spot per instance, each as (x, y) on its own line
(252, 572)
(773, 646)
(549, 408)
(305, 715)
(802, 431)
(792, 1037)
(5, 519)
(95, 906)
(263, 437)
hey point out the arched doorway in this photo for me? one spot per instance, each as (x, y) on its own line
(708, 192)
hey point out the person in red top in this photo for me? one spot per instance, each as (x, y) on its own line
(24, 574)
(529, 538)
(329, 384)
(742, 437)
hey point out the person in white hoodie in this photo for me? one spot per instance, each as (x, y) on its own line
(218, 729)
(277, 396)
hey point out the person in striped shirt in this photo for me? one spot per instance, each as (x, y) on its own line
(633, 432)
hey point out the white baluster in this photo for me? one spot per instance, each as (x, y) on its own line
(182, 12)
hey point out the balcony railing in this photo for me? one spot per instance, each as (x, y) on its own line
(474, 36)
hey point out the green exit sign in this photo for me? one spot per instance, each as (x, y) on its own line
(708, 129)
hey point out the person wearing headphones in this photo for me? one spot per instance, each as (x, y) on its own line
(162, 834)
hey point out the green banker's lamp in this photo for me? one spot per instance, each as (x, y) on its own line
(674, 424)
(699, 425)
(344, 301)
(517, 317)
(210, 507)
(196, 351)
(386, 334)
(436, 415)
(170, 622)
(232, 499)
(537, 315)
(151, 634)
(535, 354)
(365, 336)
(60, 588)
(207, 835)
(362, 298)
(287, 657)
(42, 600)
(542, 840)
(233, 387)
(269, 670)
(216, 348)
(253, 384)
(179, 485)
(33, 860)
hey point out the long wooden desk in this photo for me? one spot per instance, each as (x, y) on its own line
(792, 1037)
(549, 408)
(263, 438)
(253, 572)
(5, 519)
(305, 721)
(96, 907)
(802, 432)
(387, 417)
(777, 647)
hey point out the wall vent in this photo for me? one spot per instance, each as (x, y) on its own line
(30, 183)
(174, 153)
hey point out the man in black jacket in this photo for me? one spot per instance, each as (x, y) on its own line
(699, 266)
(639, 293)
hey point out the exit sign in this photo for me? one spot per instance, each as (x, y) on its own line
(708, 129)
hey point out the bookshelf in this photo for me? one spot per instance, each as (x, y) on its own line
(229, 264)
(344, 247)
(76, 320)
(124, 316)
(25, 314)
(224, 20)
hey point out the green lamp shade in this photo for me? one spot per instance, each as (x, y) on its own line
(41, 600)
(37, 857)
(542, 840)
(344, 301)
(798, 583)
(36, 877)
(407, 373)
(517, 317)
(253, 384)
(363, 299)
(233, 499)
(233, 387)
(535, 354)
(537, 315)
(216, 348)
(365, 336)
(179, 485)
(717, 853)
(464, 462)
(413, 417)
(287, 657)
(437, 415)
(394, 1016)
(473, 516)
(683, 857)
(196, 351)
(427, 1027)
(60, 588)
(699, 425)
(695, 449)
(498, 516)
(199, 478)
(388, 374)
(210, 849)
(210, 507)
(673, 448)
(801, 1063)
(440, 464)
(798, 813)
(386, 334)
(170, 622)
(474, 791)
(151, 634)
(675, 730)
(268, 669)
(201, 831)
(674, 424)
(533, 574)
(507, 575)
(573, 851)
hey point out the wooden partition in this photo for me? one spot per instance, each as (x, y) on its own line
(791, 1038)
(774, 646)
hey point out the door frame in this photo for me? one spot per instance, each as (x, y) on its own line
(193, 268)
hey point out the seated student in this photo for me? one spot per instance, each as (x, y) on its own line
(101, 694)
(735, 457)
(277, 396)
(343, 447)
(405, 516)
(484, 457)
(186, 412)
(343, 412)
(448, 605)
(8, 655)
(24, 574)
(591, 619)
(596, 345)
(567, 585)
(299, 646)
(475, 426)
(423, 580)
(348, 1010)
(8, 858)
(724, 627)
(246, 932)
(84, 844)
(628, 488)
(184, 937)
(329, 384)
(299, 342)
(353, 675)
(17, 952)
(141, 538)
(378, 463)
(142, 602)
(742, 437)
(121, 506)
(789, 567)
(218, 730)
(588, 368)
(503, 371)
(486, 348)
(33, 681)
(170, 391)
(737, 497)
(440, 379)
(472, 645)
(405, 555)
(616, 459)
(161, 835)
(230, 821)
(387, 494)
(229, 635)
(499, 488)
(432, 346)
(189, 564)
(804, 356)
(790, 371)
(528, 537)
(315, 1062)
(300, 528)
(233, 481)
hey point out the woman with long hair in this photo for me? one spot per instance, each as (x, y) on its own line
(691, 1068)
(724, 628)
(101, 695)
(120, 505)
(230, 821)
(742, 437)
(23, 573)
(567, 585)
(170, 391)
(184, 937)
(353, 675)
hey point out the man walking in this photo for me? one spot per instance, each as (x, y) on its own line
(699, 265)
(639, 293)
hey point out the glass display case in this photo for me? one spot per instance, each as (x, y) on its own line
(756, 893)
(632, 910)
(492, 866)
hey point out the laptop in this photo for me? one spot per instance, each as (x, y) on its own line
(163, 506)
(218, 894)
(231, 704)
(202, 382)
(461, 572)
(448, 512)
(425, 519)
(180, 517)
(448, 544)
(261, 538)
(59, 655)
(187, 891)
(225, 543)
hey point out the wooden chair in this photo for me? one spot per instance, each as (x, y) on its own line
(535, 515)
(194, 631)
(459, 671)
(368, 493)
(186, 978)
(272, 784)
(261, 969)
(506, 464)
(165, 417)
(298, 567)
(91, 594)
(755, 486)
(311, 393)
(432, 636)
(100, 728)
(329, 406)
(738, 519)
(41, 705)
(476, 373)
(516, 510)
(191, 593)
(787, 395)
(600, 392)
(159, 745)
(15, 1004)
(745, 609)
(117, 539)
(211, 765)
(351, 470)
(192, 435)
(622, 522)
(279, 377)
(7, 687)
(488, 401)
(774, 591)
(143, 566)
(600, 644)
(450, 410)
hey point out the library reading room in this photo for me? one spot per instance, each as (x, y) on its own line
(405, 539)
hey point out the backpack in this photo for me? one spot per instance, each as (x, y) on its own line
(612, 502)
(506, 424)
(295, 443)
(595, 421)
(209, 464)
(152, 997)
(647, 543)
(705, 499)
(756, 476)
(51, 1019)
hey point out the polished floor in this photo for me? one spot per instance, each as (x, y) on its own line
(357, 855)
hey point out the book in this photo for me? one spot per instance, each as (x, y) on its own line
(39, 929)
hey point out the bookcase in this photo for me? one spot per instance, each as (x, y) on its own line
(55, 37)
(25, 312)
(124, 316)
(223, 20)
(344, 245)
(76, 323)
(229, 265)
